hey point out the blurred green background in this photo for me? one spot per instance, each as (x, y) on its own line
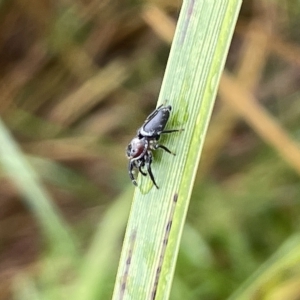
(77, 80)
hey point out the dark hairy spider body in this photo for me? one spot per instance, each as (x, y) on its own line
(139, 151)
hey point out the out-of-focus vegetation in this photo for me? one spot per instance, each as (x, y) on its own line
(77, 80)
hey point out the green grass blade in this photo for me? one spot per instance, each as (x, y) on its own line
(157, 217)
(97, 263)
(35, 197)
(286, 258)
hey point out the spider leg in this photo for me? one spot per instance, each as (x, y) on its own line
(172, 130)
(141, 171)
(148, 161)
(156, 146)
(140, 164)
(130, 169)
(164, 148)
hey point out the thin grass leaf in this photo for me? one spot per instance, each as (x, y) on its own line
(287, 257)
(36, 198)
(96, 264)
(25, 289)
(157, 217)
